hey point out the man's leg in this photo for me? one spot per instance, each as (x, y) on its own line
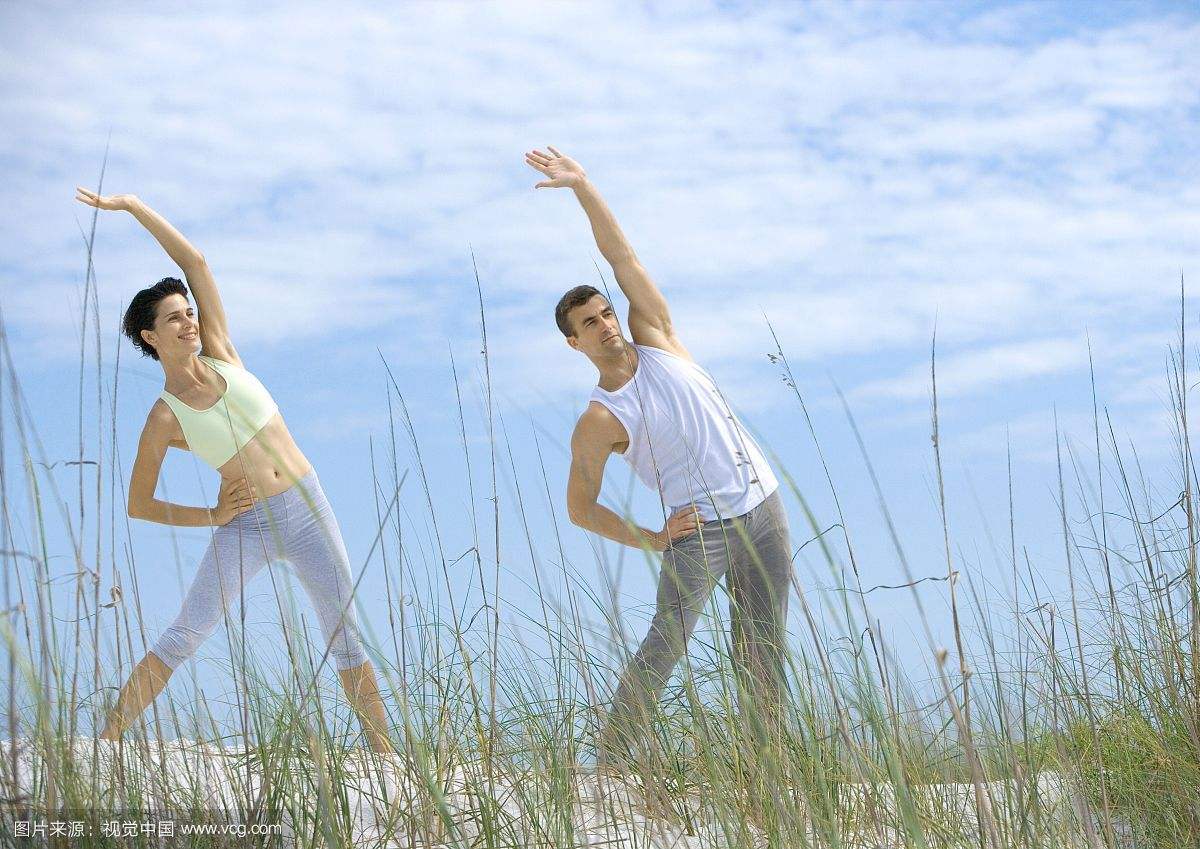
(758, 581)
(690, 569)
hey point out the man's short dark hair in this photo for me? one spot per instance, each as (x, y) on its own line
(143, 310)
(576, 297)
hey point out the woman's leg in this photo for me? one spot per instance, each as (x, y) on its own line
(236, 553)
(362, 691)
(146, 681)
(316, 549)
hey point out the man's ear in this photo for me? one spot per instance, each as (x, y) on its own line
(573, 341)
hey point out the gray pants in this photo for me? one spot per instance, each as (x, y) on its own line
(297, 525)
(753, 552)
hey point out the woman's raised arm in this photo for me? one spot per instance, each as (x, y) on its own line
(214, 332)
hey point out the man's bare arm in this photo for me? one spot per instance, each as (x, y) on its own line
(596, 434)
(649, 316)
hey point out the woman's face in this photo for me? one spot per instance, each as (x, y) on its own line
(176, 331)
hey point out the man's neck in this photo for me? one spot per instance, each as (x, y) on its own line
(617, 369)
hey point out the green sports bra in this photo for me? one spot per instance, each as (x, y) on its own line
(217, 433)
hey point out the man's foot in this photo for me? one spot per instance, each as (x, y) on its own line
(606, 782)
(382, 746)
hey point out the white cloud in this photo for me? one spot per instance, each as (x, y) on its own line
(856, 172)
(978, 369)
(850, 174)
(1032, 438)
(1119, 361)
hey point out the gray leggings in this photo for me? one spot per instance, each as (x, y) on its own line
(297, 525)
(753, 552)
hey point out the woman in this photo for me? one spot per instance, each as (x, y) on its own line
(270, 503)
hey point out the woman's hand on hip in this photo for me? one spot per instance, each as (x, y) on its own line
(236, 497)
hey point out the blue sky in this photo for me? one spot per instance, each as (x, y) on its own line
(1021, 176)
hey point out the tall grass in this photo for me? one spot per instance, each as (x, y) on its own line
(1070, 721)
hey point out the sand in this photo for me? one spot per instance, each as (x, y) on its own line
(385, 803)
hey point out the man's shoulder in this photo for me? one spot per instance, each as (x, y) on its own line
(599, 422)
(671, 362)
(662, 344)
(595, 414)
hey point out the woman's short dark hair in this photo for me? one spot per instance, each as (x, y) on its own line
(143, 309)
(576, 297)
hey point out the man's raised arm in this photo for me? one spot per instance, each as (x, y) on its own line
(649, 316)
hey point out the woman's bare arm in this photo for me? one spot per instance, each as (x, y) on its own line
(214, 331)
(160, 432)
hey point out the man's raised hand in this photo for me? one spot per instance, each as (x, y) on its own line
(563, 171)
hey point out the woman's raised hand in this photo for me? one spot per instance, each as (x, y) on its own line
(563, 171)
(113, 202)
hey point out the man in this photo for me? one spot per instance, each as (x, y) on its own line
(664, 415)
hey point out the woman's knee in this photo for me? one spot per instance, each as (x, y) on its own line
(176, 644)
(343, 642)
(347, 652)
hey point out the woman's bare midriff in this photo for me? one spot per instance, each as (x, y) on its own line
(271, 461)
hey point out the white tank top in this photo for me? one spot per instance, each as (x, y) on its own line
(684, 441)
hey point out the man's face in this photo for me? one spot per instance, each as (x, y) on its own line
(597, 332)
